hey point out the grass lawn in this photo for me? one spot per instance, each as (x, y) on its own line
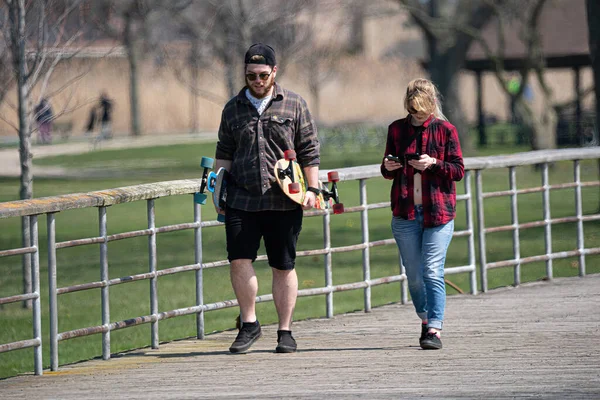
(127, 257)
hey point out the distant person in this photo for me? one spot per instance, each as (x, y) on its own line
(513, 87)
(429, 161)
(44, 116)
(257, 127)
(106, 108)
(91, 124)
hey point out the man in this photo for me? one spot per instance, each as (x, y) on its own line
(105, 106)
(257, 126)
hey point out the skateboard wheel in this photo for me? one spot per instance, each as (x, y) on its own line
(211, 181)
(333, 176)
(289, 155)
(221, 218)
(294, 188)
(338, 208)
(200, 198)
(207, 162)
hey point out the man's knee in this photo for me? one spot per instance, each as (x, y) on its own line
(240, 263)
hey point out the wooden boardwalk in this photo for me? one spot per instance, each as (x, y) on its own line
(540, 340)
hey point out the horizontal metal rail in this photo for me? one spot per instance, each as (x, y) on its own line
(149, 192)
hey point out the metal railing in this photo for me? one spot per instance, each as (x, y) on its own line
(149, 192)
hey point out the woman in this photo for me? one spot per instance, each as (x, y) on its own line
(424, 158)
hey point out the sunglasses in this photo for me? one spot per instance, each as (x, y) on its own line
(263, 76)
(412, 111)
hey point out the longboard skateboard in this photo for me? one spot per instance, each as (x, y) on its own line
(200, 196)
(217, 184)
(290, 178)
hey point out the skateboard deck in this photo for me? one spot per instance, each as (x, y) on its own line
(217, 184)
(290, 178)
(288, 172)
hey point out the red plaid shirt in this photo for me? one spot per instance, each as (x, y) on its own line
(440, 141)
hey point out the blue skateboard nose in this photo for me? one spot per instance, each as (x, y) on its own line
(200, 198)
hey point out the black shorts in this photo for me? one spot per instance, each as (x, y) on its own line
(280, 230)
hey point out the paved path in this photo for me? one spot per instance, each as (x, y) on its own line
(9, 157)
(539, 340)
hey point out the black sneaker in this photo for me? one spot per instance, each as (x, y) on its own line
(248, 334)
(431, 342)
(285, 342)
(424, 331)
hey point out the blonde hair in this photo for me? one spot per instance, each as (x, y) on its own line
(422, 95)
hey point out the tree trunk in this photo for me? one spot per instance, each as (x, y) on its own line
(230, 69)
(356, 41)
(445, 74)
(195, 78)
(316, 99)
(314, 88)
(133, 94)
(25, 156)
(444, 71)
(133, 77)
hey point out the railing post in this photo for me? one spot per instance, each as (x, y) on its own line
(481, 230)
(404, 282)
(35, 283)
(52, 295)
(547, 218)
(471, 244)
(515, 222)
(199, 272)
(328, 269)
(104, 278)
(364, 214)
(152, 269)
(579, 214)
(26, 269)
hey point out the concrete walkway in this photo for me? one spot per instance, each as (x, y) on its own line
(10, 164)
(536, 341)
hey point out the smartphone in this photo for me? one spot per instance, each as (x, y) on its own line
(393, 158)
(412, 156)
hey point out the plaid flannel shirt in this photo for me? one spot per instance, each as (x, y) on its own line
(255, 142)
(440, 141)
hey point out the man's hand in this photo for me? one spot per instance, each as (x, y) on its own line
(309, 200)
(219, 211)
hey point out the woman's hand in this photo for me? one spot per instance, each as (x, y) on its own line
(391, 165)
(422, 163)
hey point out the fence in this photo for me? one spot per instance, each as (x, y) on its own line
(149, 192)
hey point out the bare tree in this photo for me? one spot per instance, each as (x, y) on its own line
(219, 32)
(448, 46)
(451, 27)
(187, 64)
(136, 25)
(127, 22)
(236, 24)
(33, 32)
(524, 17)
(320, 53)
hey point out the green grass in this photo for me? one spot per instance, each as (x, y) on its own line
(127, 257)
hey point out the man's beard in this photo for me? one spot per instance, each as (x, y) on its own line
(264, 90)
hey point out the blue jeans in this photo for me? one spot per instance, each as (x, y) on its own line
(423, 253)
